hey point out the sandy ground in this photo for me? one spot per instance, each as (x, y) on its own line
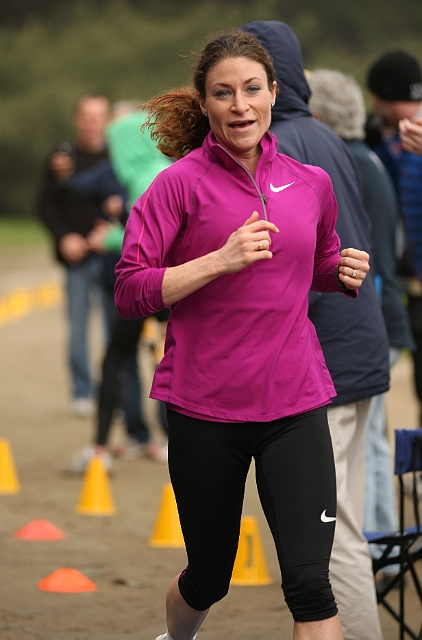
(113, 551)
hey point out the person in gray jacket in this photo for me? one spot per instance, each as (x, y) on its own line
(354, 340)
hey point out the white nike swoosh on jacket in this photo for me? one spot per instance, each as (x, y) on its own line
(277, 189)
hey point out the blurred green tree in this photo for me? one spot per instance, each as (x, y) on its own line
(51, 51)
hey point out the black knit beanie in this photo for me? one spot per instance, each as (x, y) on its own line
(396, 76)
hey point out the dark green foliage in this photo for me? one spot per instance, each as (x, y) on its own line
(51, 51)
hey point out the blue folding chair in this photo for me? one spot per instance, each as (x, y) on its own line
(402, 547)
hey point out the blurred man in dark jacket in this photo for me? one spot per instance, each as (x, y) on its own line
(70, 217)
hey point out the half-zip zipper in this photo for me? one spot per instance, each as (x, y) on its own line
(261, 195)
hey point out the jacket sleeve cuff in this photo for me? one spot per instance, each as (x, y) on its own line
(352, 293)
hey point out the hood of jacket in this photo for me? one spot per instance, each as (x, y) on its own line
(284, 48)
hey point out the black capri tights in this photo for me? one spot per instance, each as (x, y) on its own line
(295, 476)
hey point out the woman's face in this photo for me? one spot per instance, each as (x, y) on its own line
(238, 102)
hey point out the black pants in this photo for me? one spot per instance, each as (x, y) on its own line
(120, 362)
(295, 476)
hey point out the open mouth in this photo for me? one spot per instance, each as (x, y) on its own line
(243, 124)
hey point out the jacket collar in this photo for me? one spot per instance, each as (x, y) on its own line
(269, 146)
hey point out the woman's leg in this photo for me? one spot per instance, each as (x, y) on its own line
(182, 621)
(328, 629)
(130, 387)
(208, 465)
(123, 342)
(297, 488)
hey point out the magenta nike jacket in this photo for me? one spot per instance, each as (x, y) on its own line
(240, 349)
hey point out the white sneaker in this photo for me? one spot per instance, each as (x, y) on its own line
(132, 450)
(157, 452)
(83, 407)
(80, 460)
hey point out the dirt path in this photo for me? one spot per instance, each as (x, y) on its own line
(35, 419)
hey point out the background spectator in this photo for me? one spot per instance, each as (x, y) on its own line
(337, 101)
(70, 217)
(352, 333)
(395, 84)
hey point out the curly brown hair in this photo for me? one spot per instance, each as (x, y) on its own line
(175, 119)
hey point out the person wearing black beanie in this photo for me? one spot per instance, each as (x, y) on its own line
(396, 76)
(395, 84)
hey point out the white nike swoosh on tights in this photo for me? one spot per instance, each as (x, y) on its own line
(277, 189)
(325, 518)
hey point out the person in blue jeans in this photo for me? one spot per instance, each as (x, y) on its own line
(70, 217)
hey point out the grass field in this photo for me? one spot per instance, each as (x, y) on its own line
(18, 232)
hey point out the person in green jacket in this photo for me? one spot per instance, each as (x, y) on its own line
(135, 158)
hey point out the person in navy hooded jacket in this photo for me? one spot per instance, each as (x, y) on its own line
(352, 333)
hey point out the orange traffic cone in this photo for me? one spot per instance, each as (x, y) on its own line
(167, 531)
(39, 530)
(250, 567)
(66, 581)
(96, 498)
(9, 482)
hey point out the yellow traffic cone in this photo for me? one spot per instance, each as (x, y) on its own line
(250, 567)
(96, 498)
(9, 482)
(167, 531)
